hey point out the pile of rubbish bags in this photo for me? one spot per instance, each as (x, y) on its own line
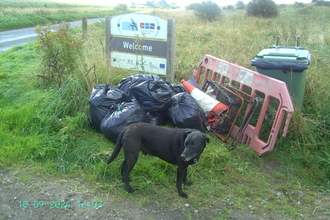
(142, 98)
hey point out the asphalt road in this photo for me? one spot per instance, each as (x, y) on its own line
(17, 37)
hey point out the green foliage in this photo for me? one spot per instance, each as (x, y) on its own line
(36, 4)
(120, 7)
(207, 11)
(150, 4)
(18, 14)
(193, 6)
(230, 7)
(262, 8)
(322, 3)
(41, 124)
(59, 50)
(298, 5)
(163, 4)
(240, 5)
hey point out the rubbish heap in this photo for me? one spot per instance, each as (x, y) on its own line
(143, 98)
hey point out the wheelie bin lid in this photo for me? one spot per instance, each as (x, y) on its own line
(296, 58)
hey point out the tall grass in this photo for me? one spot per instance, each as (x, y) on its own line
(237, 38)
(35, 4)
(26, 13)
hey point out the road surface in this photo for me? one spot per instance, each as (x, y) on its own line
(17, 37)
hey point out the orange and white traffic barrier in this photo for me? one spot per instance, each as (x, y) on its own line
(252, 82)
(206, 102)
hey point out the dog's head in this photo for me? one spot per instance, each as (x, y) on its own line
(194, 145)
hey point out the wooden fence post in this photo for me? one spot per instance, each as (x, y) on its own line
(84, 27)
(108, 38)
(170, 50)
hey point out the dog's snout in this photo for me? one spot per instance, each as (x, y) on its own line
(183, 157)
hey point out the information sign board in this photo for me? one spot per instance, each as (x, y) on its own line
(142, 43)
(139, 25)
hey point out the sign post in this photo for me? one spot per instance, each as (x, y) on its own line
(142, 43)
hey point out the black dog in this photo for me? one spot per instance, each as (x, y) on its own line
(180, 147)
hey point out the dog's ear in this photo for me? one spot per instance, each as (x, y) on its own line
(206, 138)
(187, 132)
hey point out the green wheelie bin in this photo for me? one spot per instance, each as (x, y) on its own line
(287, 64)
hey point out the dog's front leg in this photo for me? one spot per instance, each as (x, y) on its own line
(181, 175)
(185, 178)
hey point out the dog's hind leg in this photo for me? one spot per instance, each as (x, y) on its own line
(127, 166)
(179, 180)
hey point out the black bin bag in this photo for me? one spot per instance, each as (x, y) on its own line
(153, 95)
(121, 116)
(126, 83)
(185, 112)
(100, 101)
(157, 118)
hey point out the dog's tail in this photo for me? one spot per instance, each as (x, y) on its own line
(117, 147)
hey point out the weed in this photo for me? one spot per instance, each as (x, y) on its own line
(59, 50)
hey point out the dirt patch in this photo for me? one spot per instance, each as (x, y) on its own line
(69, 199)
(43, 198)
(271, 165)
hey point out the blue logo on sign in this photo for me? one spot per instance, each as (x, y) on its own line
(162, 66)
(129, 26)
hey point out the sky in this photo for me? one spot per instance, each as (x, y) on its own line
(182, 3)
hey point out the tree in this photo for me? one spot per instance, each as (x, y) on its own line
(150, 4)
(193, 6)
(120, 7)
(207, 10)
(240, 5)
(321, 3)
(163, 4)
(262, 8)
(230, 7)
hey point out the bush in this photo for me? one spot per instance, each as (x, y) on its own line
(193, 6)
(322, 3)
(240, 5)
(150, 4)
(207, 10)
(59, 50)
(262, 8)
(120, 7)
(230, 7)
(298, 5)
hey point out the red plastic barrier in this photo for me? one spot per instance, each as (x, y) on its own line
(222, 71)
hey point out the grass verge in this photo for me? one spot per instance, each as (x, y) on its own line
(25, 13)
